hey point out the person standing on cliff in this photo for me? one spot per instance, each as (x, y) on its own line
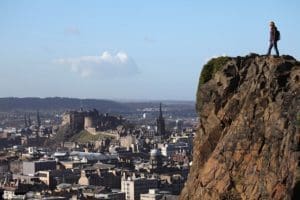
(274, 37)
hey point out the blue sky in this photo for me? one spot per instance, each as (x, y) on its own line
(141, 50)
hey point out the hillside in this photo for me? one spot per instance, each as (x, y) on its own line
(84, 137)
(248, 141)
(58, 104)
(9, 104)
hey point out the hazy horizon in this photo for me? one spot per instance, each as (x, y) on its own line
(117, 100)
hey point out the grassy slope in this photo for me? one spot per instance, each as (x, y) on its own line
(84, 136)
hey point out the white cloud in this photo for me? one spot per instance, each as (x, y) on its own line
(106, 65)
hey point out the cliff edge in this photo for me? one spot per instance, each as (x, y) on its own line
(248, 141)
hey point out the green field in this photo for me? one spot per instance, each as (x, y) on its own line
(84, 136)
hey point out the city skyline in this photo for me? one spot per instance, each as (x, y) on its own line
(130, 50)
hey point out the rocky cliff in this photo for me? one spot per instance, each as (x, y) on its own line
(247, 144)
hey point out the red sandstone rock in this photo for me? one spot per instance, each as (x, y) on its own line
(248, 141)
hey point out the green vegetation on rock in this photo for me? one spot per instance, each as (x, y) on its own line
(207, 73)
(211, 67)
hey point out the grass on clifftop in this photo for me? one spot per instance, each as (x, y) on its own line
(211, 67)
(207, 73)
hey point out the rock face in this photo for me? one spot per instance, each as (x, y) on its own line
(247, 144)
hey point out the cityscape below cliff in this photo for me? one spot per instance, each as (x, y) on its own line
(65, 148)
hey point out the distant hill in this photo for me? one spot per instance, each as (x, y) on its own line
(58, 104)
(62, 104)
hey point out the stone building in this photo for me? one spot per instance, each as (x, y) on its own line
(31, 167)
(91, 120)
(75, 119)
(155, 161)
(153, 194)
(83, 180)
(52, 178)
(4, 167)
(135, 186)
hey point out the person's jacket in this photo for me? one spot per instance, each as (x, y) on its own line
(273, 34)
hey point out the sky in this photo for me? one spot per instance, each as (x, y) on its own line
(133, 49)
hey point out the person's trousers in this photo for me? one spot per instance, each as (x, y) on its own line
(273, 44)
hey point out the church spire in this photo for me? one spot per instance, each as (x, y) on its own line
(160, 111)
(160, 122)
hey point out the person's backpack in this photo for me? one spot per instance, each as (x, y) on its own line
(277, 35)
